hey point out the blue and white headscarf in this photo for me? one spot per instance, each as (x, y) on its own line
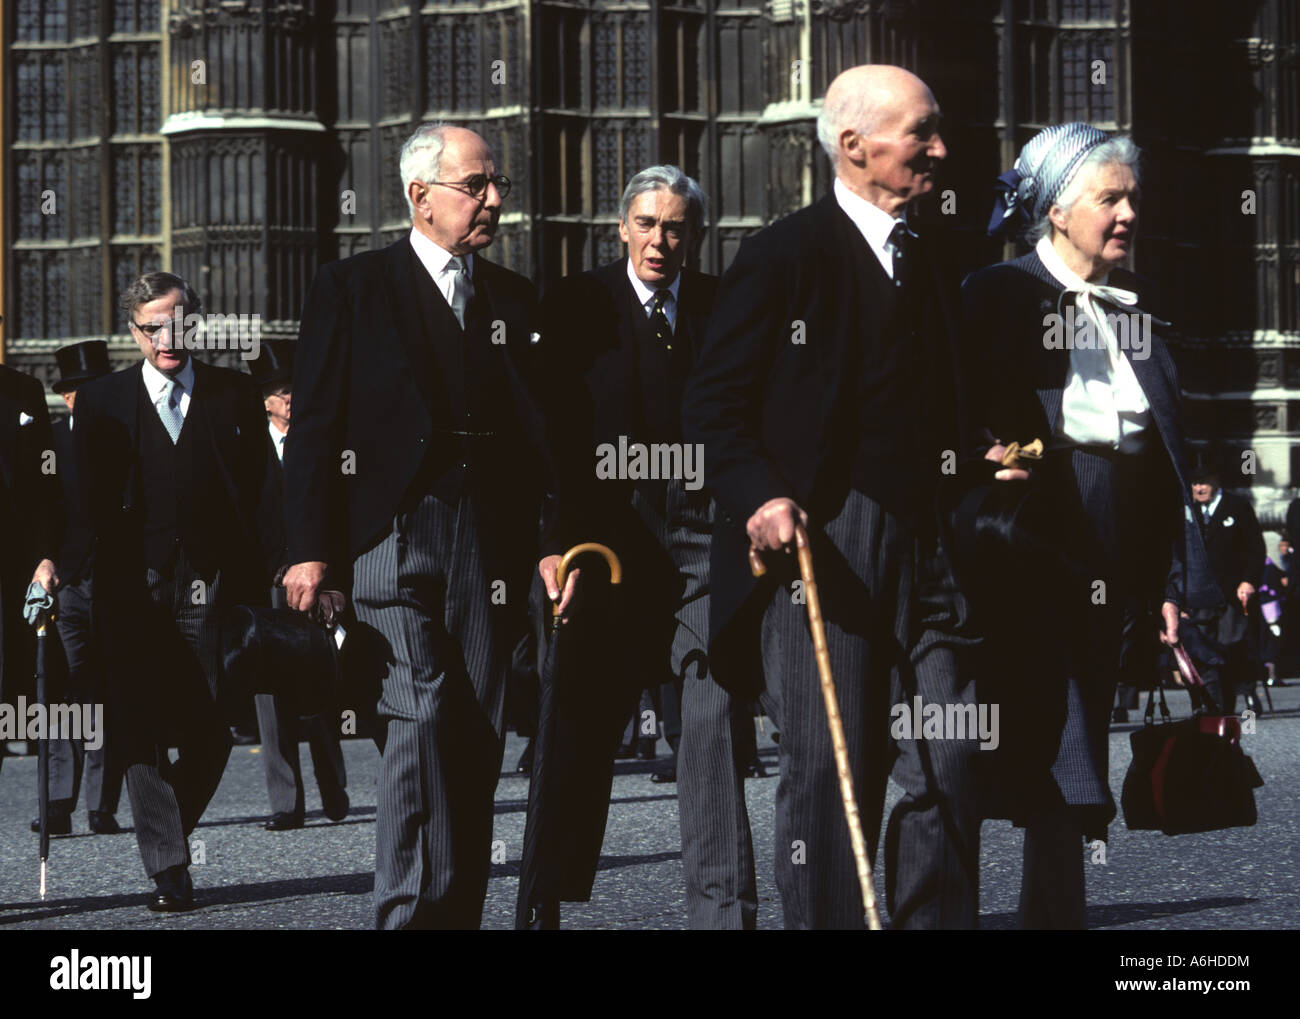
(1041, 173)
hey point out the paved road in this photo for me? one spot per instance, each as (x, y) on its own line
(321, 876)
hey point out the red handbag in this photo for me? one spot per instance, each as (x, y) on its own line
(1192, 775)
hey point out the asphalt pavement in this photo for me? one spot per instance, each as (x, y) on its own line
(320, 877)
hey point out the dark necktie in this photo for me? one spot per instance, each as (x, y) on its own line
(659, 321)
(899, 239)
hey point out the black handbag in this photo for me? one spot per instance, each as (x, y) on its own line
(1189, 776)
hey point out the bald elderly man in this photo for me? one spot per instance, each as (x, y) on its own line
(827, 393)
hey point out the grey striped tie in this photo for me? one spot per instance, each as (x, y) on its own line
(170, 411)
(462, 288)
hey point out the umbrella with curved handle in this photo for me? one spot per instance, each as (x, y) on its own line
(579, 720)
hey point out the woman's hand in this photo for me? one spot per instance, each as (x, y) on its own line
(996, 453)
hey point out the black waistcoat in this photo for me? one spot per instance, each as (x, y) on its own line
(182, 497)
(475, 427)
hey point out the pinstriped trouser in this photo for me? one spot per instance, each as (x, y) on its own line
(167, 665)
(717, 847)
(895, 627)
(425, 590)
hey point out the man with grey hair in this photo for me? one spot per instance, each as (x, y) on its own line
(827, 395)
(426, 513)
(619, 340)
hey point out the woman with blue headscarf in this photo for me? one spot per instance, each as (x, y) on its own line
(1065, 347)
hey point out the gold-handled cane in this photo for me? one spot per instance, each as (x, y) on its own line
(838, 744)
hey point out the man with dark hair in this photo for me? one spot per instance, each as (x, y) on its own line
(427, 512)
(174, 454)
(618, 369)
(80, 363)
(277, 715)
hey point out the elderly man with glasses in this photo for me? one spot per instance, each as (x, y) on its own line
(412, 482)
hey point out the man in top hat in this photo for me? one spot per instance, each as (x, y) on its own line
(93, 757)
(1235, 544)
(277, 715)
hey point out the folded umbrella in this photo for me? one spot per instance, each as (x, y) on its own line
(579, 718)
(38, 610)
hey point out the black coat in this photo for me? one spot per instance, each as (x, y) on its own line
(779, 417)
(1016, 386)
(74, 554)
(366, 388)
(1235, 544)
(595, 396)
(228, 407)
(31, 514)
(1054, 652)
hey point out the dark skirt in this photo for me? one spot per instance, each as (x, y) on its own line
(1053, 654)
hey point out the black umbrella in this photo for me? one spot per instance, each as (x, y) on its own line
(38, 610)
(579, 715)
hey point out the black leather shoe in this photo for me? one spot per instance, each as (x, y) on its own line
(174, 892)
(103, 823)
(663, 775)
(525, 763)
(755, 769)
(56, 823)
(283, 821)
(335, 807)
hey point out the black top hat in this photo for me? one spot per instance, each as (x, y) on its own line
(81, 362)
(274, 364)
(1206, 466)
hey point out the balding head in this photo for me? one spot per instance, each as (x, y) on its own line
(880, 127)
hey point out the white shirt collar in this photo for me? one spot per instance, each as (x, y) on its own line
(873, 222)
(277, 438)
(643, 292)
(433, 257)
(1213, 504)
(156, 383)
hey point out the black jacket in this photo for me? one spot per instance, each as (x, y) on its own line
(370, 405)
(595, 396)
(1235, 544)
(1016, 385)
(227, 407)
(31, 514)
(775, 399)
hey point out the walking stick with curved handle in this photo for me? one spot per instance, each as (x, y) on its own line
(838, 744)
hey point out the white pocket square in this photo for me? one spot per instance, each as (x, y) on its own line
(24, 419)
(534, 338)
(1228, 522)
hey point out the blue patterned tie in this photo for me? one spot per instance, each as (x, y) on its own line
(170, 411)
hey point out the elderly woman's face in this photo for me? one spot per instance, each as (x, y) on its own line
(1100, 224)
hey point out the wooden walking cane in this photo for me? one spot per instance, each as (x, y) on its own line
(838, 744)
